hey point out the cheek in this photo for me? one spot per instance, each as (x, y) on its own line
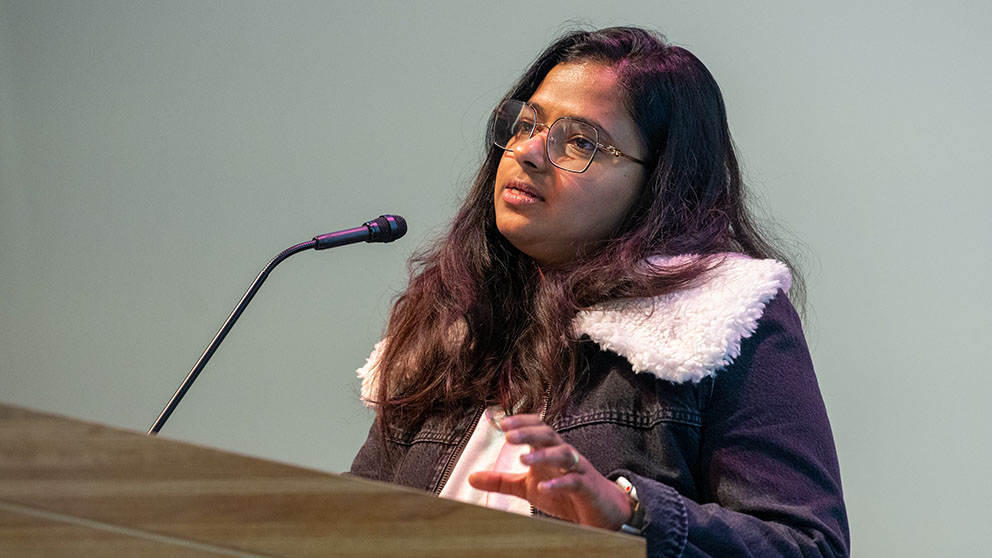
(502, 170)
(636, 182)
(612, 204)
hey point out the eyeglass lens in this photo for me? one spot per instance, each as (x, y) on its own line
(571, 145)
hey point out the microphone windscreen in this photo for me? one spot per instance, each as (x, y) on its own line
(397, 226)
(388, 228)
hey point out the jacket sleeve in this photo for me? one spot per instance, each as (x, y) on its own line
(373, 461)
(769, 479)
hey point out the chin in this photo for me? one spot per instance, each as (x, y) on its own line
(509, 225)
(515, 235)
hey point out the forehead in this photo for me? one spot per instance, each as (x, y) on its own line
(587, 91)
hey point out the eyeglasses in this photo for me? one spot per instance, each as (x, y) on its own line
(571, 144)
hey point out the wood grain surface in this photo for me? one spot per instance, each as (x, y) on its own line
(72, 488)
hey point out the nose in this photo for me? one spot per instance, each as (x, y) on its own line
(533, 152)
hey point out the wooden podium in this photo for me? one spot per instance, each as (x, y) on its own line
(72, 488)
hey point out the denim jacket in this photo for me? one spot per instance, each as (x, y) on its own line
(718, 421)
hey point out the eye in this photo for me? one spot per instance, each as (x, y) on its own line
(583, 143)
(525, 127)
(578, 144)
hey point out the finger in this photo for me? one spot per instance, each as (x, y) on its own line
(569, 483)
(564, 458)
(505, 483)
(515, 421)
(540, 436)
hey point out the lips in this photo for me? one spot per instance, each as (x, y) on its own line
(521, 188)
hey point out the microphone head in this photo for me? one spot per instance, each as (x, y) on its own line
(386, 228)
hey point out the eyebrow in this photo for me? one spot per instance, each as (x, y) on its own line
(589, 121)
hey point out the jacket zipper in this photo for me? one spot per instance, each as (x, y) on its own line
(453, 459)
(544, 405)
(544, 411)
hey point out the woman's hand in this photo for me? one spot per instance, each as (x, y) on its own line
(560, 482)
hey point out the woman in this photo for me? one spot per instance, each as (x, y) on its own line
(602, 336)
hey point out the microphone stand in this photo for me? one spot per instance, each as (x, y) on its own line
(386, 228)
(209, 352)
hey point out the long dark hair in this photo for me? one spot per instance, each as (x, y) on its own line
(480, 324)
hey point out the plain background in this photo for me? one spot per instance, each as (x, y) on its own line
(155, 155)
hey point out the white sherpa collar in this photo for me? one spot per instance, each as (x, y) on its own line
(679, 337)
(369, 373)
(692, 333)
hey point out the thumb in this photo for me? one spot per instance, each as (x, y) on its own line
(505, 483)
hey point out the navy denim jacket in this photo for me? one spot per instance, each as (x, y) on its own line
(740, 463)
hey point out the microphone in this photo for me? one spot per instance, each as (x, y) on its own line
(386, 228)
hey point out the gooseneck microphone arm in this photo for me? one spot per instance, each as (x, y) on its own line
(386, 228)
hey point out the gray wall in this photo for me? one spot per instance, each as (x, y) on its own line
(154, 155)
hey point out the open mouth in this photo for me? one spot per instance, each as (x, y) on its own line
(521, 189)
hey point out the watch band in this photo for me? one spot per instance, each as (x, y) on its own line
(635, 523)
